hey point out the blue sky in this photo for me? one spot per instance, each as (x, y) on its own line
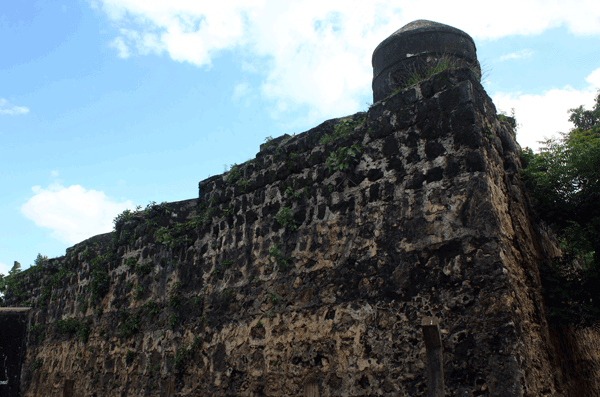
(109, 104)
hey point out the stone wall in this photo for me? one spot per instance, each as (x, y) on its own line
(307, 270)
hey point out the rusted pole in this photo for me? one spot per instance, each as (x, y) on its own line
(435, 363)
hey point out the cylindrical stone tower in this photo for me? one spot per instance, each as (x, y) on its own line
(416, 47)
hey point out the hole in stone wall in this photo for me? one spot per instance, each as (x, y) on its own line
(364, 382)
(319, 360)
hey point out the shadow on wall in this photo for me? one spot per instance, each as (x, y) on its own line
(581, 373)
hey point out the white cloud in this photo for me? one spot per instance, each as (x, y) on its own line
(7, 108)
(517, 55)
(120, 46)
(241, 90)
(594, 78)
(4, 268)
(543, 116)
(73, 213)
(54, 173)
(317, 53)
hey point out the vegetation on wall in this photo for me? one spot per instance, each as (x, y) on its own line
(418, 74)
(564, 183)
(74, 326)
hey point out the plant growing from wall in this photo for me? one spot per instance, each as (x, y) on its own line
(291, 193)
(174, 298)
(121, 219)
(139, 291)
(168, 237)
(276, 254)
(227, 293)
(273, 298)
(233, 175)
(268, 142)
(285, 219)
(129, 356)
(227, 263)
(241, 186)
(154, 210)
(182, 353)
(72, 326)
(37, 332)
(84, 330)
(173, 320)
(37, 364)
(139, 268)
(342, 129)
(442, 63)
(344, 158)
(84, 302)
(99, 281)
(129, 324)
(152, 308)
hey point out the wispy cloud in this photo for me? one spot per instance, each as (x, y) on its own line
(121, 47)
(241, 90)
(517, 55)
(547, 114)
(73, 213)
(7, 108)
(316, 54)
(244, 93)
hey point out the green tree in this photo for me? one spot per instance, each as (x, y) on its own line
(563, 180)
(40, 259)
(16, 269)
(6, 281)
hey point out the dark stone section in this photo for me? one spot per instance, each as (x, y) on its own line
(13, 332)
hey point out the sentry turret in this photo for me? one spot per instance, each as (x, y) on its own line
(416, 48)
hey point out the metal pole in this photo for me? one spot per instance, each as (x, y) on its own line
(435, 363)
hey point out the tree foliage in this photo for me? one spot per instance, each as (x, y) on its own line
(563, 180)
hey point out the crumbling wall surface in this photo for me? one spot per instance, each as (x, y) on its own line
(304, 272)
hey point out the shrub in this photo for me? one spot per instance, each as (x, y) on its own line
(129, 324)
(99, 283)
(343, 158)
(37, 364)
(280, 259)
(152, 307)
(72, 326)
(129, 356)
(284, 218)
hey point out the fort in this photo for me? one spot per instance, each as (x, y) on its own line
(308, 271)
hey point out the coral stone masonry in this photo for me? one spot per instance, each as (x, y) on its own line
(309, 271)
